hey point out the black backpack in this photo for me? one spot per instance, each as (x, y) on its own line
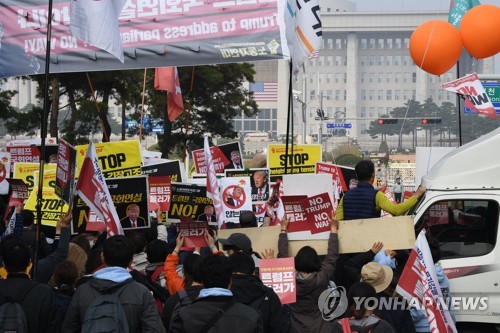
(12, 316)
(105, 314)
(184, 300)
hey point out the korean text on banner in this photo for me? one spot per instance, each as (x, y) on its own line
(187, 200)
(303, 160)
(116, 159)
(193, 233)
(53, 208)
(419, 283)
(217, 31)
(279, 274)
(92, 188)
(476, 98)
(221, 156)
(458, 8)
(160, 193)
(26, 172)
(171, 169)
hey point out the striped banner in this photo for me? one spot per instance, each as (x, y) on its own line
(264, 91)
(213, 186)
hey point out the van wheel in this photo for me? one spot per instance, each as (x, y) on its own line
(477, 328)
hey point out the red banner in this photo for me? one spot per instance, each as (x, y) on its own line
(335, 171)
(295, 213)
(193, 233)
(279, 274)
(220, 161)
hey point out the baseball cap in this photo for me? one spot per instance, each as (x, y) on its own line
(239, 240)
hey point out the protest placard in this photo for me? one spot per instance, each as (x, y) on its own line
(193, 233)
(53, 208)
(279, 274)
(302, 161)
(225, 156)
(116, 159)
(259, 182)
(160, 193)
(318, 210)
(65, 173)
(171, 169)
(341, 175)
(4, 172)
(236, 196)
(187, 200)
(26, 172)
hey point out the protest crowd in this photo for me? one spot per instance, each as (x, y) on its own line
(150, 278)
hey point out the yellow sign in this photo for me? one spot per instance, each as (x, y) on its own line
(302, 160)
(53, 208)
(26, 172)
(49, 176)
(116, 159)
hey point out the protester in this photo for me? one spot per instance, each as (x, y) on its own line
(37, 300)
(353, 183)
(136, 300)
(249, 290)
(353, 266)
(93, 264)
(248, 219)
(65, 276)
(312, 277)
(216, 310)
(186, 296)
(29, 235)
(140, 260)
(398, 189)
(360, 316)
(157, 252)
(173, 280)
(239, 242)
(366, 202)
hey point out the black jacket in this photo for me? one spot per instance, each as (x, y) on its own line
(137, 302)
(39, 305)
(353, 266)
(359, 202)
(173, 300)
(29, 235)
(239, 318)
(248, 289)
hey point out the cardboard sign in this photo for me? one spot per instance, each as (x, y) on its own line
(124, 192)
(31, 153)
(187, 200)
(53, 208)
(221, 155)
(341, 175)
(193, 233)
(116, 159)
(4, 172)
(26, 172)
(279, 274)
(303, 159)
(236, 196)
(317, 211)
(65, 173)
(49, 177)
(259, 182)
(171, 169)
(160, 193)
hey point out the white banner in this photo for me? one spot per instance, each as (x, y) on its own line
(4, 172)
(236, 196)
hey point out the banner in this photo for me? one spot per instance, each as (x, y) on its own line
(419, 283)
(294, 212)
(387, 192)
(341, 175)
(304, 159)
(65, 173)
(4, 172)
(53, 208)
(18, 193)
(193, 233)
(236, 196)
(476, 98)
(130, 198)
(31, 154)
(317, 211)
(171, 169)
(153, 34)
(160, 193)
(150, 157)
(279, 274)
(116, 159)
(226, 156)
(458, 8)
(187, 200)
(259, 182)
(49, 177)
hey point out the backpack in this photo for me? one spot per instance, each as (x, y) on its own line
(184, 300)
(106, 314)
(160, 294)
(348, 328)
(12, 316)
(257, 305)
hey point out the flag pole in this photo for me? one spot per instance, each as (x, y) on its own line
(142, 106)
(104, 133)
(288, 116)
(188, 117)
(43, 135)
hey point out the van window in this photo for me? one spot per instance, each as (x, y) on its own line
(464, 228)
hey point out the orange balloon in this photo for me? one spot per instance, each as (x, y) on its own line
(435, 46)
(480, 31)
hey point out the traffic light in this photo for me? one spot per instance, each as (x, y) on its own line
(387, 121)
(427, 121)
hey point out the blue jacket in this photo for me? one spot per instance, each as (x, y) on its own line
(359, 202)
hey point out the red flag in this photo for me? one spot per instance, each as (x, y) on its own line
(167, 78)
(91, 187)
(213, 186)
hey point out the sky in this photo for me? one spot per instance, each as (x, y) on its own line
(398, 5)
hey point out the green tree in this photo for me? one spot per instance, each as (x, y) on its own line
(25, 122)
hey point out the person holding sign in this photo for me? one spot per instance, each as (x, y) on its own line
(312, 277)
(364, 201)
(133, 220)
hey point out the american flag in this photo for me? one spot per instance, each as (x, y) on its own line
(264, 91)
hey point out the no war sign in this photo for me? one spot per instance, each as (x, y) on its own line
(300, 159)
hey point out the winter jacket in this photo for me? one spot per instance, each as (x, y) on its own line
(136, 300)
(353, 266)
(306, 316)
(151, 268)
(63, 300)
(174, 280)
(28, 236)
(173, 300)
(359, 202)
(140, 261)
(238, 318)
(39, 304)
(419, 318)
(248, 290)
(46, 265)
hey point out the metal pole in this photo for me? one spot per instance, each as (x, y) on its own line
(320, 131)
(304, 111)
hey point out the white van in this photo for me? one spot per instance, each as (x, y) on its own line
(257, 137)
(461, 209)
